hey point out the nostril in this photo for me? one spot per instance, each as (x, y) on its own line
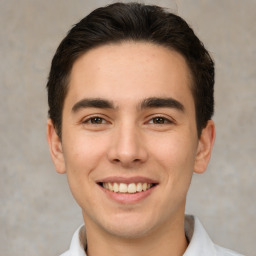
(116, 160)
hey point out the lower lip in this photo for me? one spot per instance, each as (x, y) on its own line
(126, 198)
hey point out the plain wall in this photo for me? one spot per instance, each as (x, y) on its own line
(38, 215)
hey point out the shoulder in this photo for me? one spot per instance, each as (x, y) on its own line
(220, 251)
(200, 244)
(78, 243)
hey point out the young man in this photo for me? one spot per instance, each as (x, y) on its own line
(130, 104)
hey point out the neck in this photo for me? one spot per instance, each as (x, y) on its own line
(167, 240)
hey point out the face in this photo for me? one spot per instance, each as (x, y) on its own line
(129, 139)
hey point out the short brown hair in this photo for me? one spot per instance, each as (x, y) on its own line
(137, 22)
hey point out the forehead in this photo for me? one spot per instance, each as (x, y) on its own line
(130, 69)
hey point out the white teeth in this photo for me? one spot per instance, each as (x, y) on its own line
(132, 188)
(110, 186)
(115, 187)
(123, 188)
(105, 185)
(126, 188)
(139, 187)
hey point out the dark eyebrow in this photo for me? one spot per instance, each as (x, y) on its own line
(92, 103)
(155, 102)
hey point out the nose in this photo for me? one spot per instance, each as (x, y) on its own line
(127, 147)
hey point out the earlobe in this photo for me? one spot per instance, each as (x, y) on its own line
(205, 146)
(55, 147)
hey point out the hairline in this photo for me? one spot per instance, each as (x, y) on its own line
(67, 80)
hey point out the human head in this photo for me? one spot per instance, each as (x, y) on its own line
(132, 22)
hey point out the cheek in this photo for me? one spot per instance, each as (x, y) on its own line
(83, 154)
(176, 156)
(174, 151)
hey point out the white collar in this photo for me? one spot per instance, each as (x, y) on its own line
(200, 243)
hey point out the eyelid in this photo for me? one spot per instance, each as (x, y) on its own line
(169, 119)
(85, 120)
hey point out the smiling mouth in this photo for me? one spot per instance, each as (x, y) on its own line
(124, 188)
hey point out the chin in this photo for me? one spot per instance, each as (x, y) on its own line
(128, 231)
(129, 227)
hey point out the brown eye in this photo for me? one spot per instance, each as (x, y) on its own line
(96, 120)
(160, 120)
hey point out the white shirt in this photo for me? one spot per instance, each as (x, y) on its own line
(200, 243)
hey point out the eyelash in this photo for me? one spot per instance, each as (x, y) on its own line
(90, 120)
(156, 120)
(164, 120)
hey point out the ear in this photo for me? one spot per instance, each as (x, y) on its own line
(55, 147)
(204, 148)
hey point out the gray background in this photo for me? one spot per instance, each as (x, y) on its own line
(38, 215)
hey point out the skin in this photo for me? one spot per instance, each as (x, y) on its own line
(129, 139)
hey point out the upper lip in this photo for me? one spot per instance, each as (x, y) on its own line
(127, 180)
